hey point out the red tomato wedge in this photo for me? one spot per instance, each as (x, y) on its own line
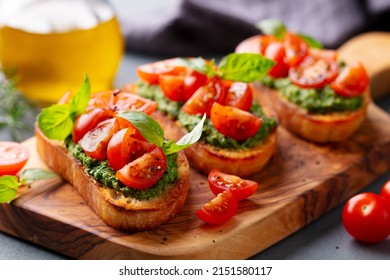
(239, 95)
(101, 99)
(314, 72)
(95, 141)
(233, 122)
(202, 100)
(324, 53)
(296, 49)
(150, 72)
(13, 156)
(87, 121)
(352, 81)
(219, 210)
(240, 188)
(145, 171)
(124, 101)
(276, 51)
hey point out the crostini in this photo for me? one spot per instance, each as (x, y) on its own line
(315, 96)
(115, 155)
(238, 137)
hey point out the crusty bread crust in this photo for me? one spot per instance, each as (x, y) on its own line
(318, 128)
(112, 207)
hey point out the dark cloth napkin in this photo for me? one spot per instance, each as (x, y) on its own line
(201, 27)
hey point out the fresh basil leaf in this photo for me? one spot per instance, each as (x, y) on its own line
(35, 174)
(79, 102)
(8, 187)
(55, 121)
(199, 64)
(146, 125)
(272, 27)
(313, 43)
(244, 67)
(186, 141)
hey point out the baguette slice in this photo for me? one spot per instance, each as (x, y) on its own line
(317, 128)
(116, 210)
(205, 157)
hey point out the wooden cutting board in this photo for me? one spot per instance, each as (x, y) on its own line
(302, 182)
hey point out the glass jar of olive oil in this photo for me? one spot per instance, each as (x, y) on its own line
(52, 44)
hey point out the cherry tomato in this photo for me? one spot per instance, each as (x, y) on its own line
(87, 121)
(352, 81)
(101, 99)
(182, 84)
(145, 171)
(385, 192)
(296, 49)
(219, 210)
(124, 147)
(265, 41)
(239, 95)
(314, 72)
(324, 53)
(202, 100)
(233, 122)
(240, 188)
(276, 52)
(150, 72)
(95, 141)
(13, 156)
(124, 101)
(366, 217)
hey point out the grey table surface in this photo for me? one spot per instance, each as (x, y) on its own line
(324, 239)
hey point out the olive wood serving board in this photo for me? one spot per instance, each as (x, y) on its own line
(302, 182)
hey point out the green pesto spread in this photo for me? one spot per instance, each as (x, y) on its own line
(316, 101)
(211, 136)
(104, 174)
(154, 92)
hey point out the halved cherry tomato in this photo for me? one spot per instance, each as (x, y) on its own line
(202, 100)
(233, 122)
(95, 141)
(385, 192)
(240, 188)
(352, 81)
(101, 99)
(181, 85)
(13, 156)
(87, 121)
(276, 52)
(239, 95)
(150, 72)
(265, 41)
(124, 147)
(366, 217)
(314, 72)
(324, 53)
(145, 171)
(296, 49)
(124, 101)
(219, 210)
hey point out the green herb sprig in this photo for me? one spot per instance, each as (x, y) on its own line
(9, 184)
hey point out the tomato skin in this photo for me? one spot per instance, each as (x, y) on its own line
(314, 72)
(87, 121)
(150, 72)
(276, 52)
(385, 192)
(239, 95)
(233, 122)
(352, 81)
(124, 101)
(13, 157)
(240, 188)
(296, 49)
(219, 210)
(102, 99)
(203, 99)
(95, 141)
(145, 171)
(366, 217)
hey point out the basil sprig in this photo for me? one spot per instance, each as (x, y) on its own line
(242, 67)
(56, 121)
(278, 29)
(10, 184)
(153, 133)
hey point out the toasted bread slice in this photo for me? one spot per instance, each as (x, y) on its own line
(334, 127)
(115, 209)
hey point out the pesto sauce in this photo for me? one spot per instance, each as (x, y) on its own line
(104, 174)
(316, 101)
(213, 137)
(154, 92)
